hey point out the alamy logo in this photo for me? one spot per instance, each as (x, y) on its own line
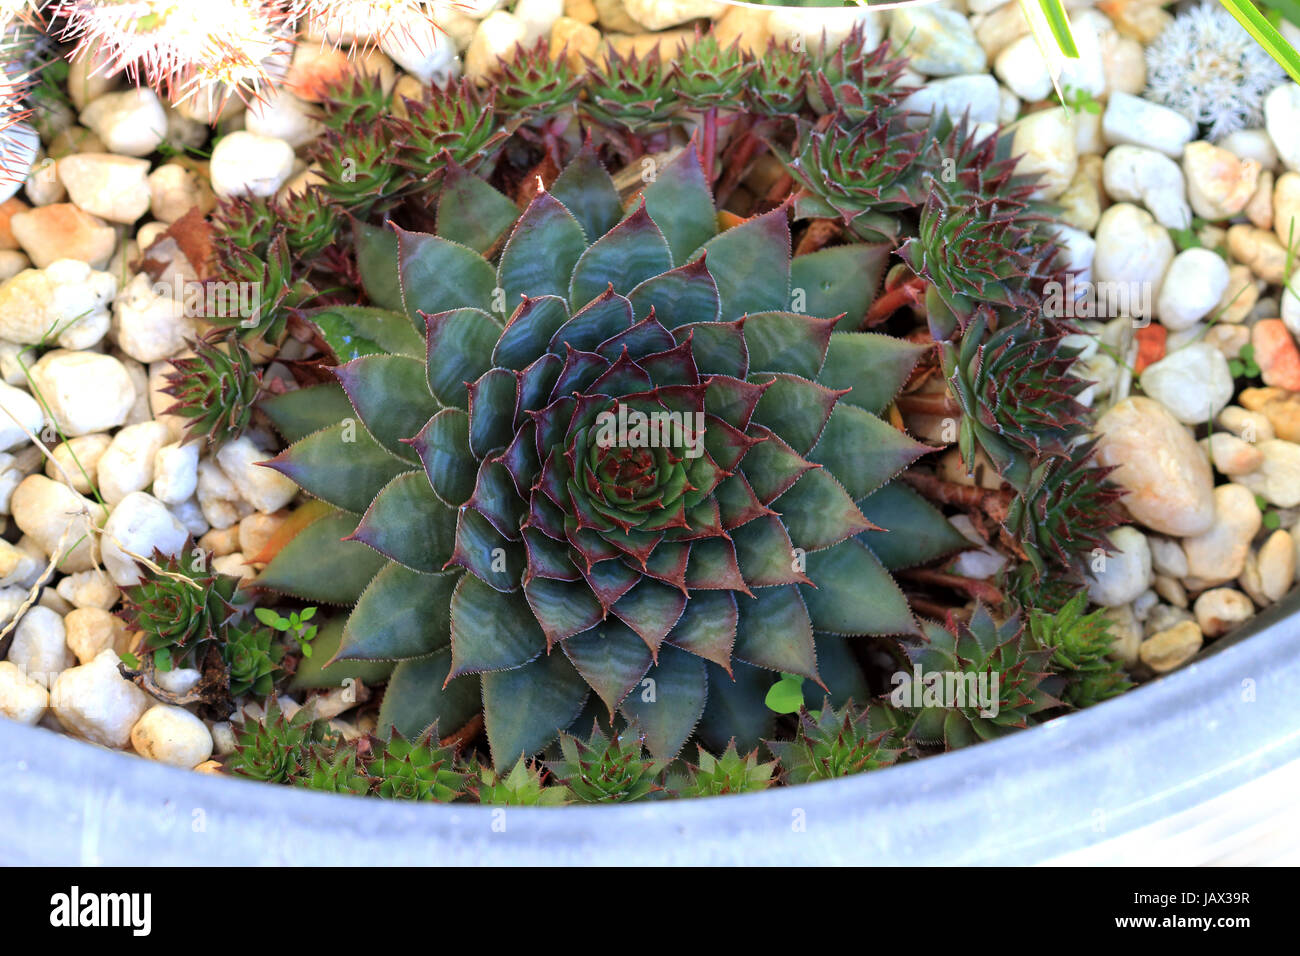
(632, 428)
(74, 909)
(947, 689)
(1080, 299)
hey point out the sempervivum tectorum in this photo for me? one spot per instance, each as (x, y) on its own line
(981, 238)
(857, 81)
(976, 682)
(180, 608)
(778, 86)
(1060, 517)
(214, 389)
(533, 85)
(456, 120)
(1019, 403)
(836, 743)
(710, 75)
(630, 93)
(857, 172)
(648, 478)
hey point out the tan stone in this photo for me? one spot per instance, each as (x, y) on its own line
(1166, 650)
(1219, 554)
(1220, 610)
(1219, 184)
(8, 209)
(1286, 209)
(1167, 476)
(584, 11)
(1239, 297)
(745, 25)
(1260, 250)
(575, 40)
(62, 231)
(1260, 208)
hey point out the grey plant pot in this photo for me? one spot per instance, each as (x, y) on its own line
(1100, 778)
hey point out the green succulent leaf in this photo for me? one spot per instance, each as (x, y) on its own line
(438, 274)
(416, 700)
(841, 280)
(298, 413)
(523, 708)
(319, 565)
(322, 671)
(875, 367)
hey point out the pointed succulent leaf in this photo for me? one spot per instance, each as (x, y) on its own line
(562, 608)
(774, 632)
(319, 565)
(842, 280)
(787, 342)
(490, 631)
(529, 331)
(401, 614)
(818, 512)
(407, 523)
(390, 394)
(707, 627)
(443, 447)
(298, 413)
(351, 331)
(915, 531)
(438, 274)
(460, 344)
(588, 192)
(681, 204)
(683, 295)
(718, 348)
(377, 262)
(321, 671)
(874, 366)
(540, 255)
(522, 708)
(471, 212)
(751, 265)
(862, 451)
(854, 593)
(668, 709)
(630, 253)
(313, 463)
(416, 700)
(794, 408)
(611, 658)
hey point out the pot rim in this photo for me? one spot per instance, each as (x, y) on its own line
(1166, 747)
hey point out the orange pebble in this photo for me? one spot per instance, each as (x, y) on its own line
(1276, 354)
(1151, 346)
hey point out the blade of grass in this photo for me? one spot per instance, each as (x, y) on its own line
(1265, 34)
(1059, 23)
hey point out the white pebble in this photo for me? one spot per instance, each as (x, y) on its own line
(246, 164)
(1138, 122)
(1193, 286)
(94, 701)
(21, 698)
(142, 525)
(40, 647)
(130, 123)
(264, 488)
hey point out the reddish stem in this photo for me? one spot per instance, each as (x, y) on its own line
(911, 292)
(709, 142)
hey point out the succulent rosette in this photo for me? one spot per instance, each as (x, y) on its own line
(647, 481)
